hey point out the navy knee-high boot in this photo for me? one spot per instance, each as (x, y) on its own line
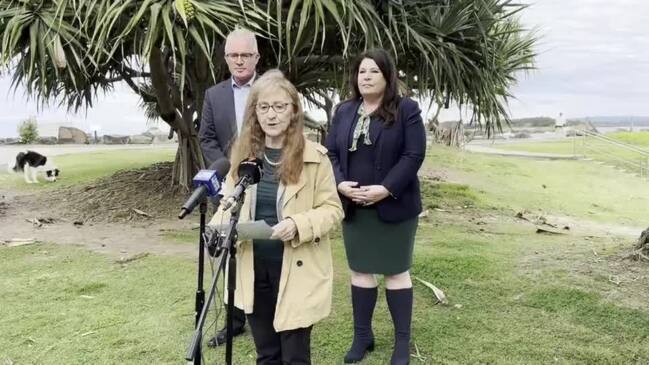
(400, 305)
(363, 302)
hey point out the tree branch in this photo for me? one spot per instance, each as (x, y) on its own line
(134, 73)
(312, 100)
(146, 97)
(159, 80)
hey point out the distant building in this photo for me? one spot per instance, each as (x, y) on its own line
(560, 122)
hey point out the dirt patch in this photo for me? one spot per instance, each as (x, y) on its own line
(103, 215)
(596, 260)
(133, 195)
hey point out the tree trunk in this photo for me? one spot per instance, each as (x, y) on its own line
(642, 247)
(189, 158)
(328, 108)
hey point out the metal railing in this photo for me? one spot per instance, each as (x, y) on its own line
(625, 156)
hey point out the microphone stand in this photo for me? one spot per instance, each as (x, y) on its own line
(200, 293)
(228, 254)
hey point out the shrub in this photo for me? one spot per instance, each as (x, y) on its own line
(28, 131)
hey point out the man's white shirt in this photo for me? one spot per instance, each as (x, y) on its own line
(240, 98)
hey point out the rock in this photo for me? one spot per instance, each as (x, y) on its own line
(47, 140)
(140, 139)
(114, 139)
(72, 135)
(158, 135)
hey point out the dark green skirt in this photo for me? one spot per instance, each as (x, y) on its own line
(377, 247)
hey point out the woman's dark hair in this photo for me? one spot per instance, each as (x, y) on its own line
(388, 108)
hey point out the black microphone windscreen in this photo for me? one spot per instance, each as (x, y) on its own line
(221, 166)
(251, 168)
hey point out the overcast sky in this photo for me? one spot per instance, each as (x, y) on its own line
(593, 59)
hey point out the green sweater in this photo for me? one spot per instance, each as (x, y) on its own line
(266, 208)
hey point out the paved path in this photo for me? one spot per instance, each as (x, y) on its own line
(496, 151)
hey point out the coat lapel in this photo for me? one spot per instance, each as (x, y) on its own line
(375, 131)
(346, 133)
(228, 106)
(287, 193)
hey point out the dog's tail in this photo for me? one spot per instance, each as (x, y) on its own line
(19, 164)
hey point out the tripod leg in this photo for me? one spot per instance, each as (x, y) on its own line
(194, 350)
(232, 275)
(200, 293)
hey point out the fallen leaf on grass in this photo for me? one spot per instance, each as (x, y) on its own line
(615, 280)
(144, 214)
(125, 260)
(417, 355)
(441, 297)
(15, 242)
(546, 231)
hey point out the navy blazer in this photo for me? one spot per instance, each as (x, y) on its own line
(399, 152)
(218, 122)
(218, 129)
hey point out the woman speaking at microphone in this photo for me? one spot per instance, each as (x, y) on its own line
(284, 284)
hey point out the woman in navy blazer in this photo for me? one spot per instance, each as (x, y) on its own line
(377, 144)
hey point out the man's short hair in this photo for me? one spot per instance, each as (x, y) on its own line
(242, 33)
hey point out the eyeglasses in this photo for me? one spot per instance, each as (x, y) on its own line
(245, 57)
(263, 108)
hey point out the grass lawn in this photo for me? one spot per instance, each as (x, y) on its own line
(516, 297)
(595, 149)
(575, 145)
(82, 168)
(640, 139)
(574, 188)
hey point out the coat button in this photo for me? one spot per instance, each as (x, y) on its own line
(299, 263)
(317, 239)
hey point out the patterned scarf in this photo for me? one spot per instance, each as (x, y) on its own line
(362, 128)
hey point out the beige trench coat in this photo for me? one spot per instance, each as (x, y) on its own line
(305, 287)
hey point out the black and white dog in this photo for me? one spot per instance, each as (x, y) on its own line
(30, 163)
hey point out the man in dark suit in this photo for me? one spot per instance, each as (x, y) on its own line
(224, 105)
(222, 119)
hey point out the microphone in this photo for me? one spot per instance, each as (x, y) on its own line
(250, 172)
(207, 183)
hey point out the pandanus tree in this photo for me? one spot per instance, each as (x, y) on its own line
(468, 52)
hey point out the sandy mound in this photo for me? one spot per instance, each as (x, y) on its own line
(133, 195)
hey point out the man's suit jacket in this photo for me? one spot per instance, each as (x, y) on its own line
(399, 152)
(218, 122)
